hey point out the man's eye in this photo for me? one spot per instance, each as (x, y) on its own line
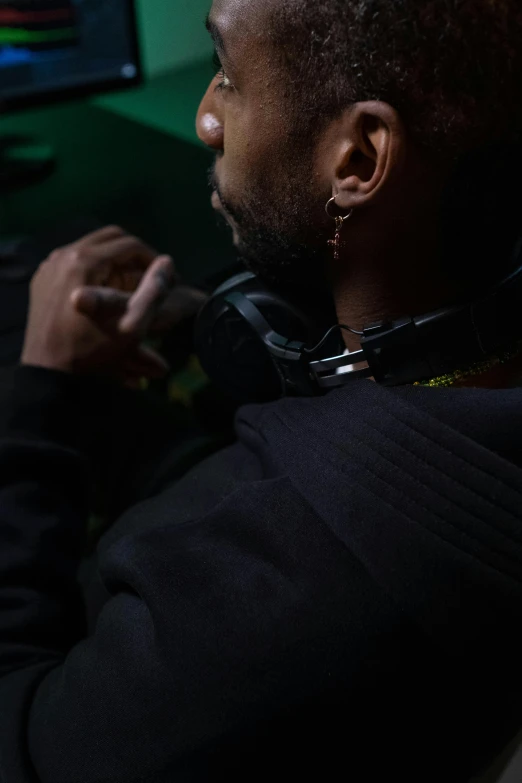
(224, 82)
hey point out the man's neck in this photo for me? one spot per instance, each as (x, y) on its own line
(372, 292)
(408, 284)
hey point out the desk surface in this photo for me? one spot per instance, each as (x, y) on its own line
(119, 171)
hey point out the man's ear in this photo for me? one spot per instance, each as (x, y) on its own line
(369, 150)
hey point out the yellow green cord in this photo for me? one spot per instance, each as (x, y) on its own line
(479, 368)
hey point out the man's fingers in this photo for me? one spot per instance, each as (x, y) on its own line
(144, 305)
(101, 235)
(104, 305)
(151, 358)
(145, 363)
(122, 250)
(100, 303)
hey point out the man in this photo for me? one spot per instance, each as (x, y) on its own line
(338, 594)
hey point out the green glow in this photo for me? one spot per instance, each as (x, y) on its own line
(17, 35)
(173, 33)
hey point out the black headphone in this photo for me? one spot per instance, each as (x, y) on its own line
(255, 344)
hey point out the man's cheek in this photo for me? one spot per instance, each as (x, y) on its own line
(232, 180)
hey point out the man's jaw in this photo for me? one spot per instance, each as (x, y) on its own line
(267, 250)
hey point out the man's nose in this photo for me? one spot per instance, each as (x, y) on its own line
(209, 123)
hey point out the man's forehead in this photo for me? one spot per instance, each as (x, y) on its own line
(246, 15)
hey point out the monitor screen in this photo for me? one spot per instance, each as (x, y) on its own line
(57, 48)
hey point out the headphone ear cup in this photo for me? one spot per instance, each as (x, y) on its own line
(233, 357)
(232, 353)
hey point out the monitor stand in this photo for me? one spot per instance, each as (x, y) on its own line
(23, 162)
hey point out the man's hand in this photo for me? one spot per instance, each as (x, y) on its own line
(78, 325)
(145, 314)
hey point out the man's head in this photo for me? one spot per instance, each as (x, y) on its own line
(377, 102)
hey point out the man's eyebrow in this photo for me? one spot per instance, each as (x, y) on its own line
(216, 35)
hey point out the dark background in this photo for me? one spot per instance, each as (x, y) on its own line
(114, 170)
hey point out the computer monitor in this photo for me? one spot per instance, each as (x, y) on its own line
(55, 49)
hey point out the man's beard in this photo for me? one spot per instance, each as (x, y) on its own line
(281, 236)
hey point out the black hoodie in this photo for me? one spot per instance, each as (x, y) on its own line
(337, 596)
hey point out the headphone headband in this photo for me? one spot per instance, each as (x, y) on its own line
(255, 344)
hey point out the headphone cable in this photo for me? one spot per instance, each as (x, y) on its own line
(331, 331)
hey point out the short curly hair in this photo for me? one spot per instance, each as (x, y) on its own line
(452, 68)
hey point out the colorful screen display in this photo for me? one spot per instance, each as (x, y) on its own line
(48, 46)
